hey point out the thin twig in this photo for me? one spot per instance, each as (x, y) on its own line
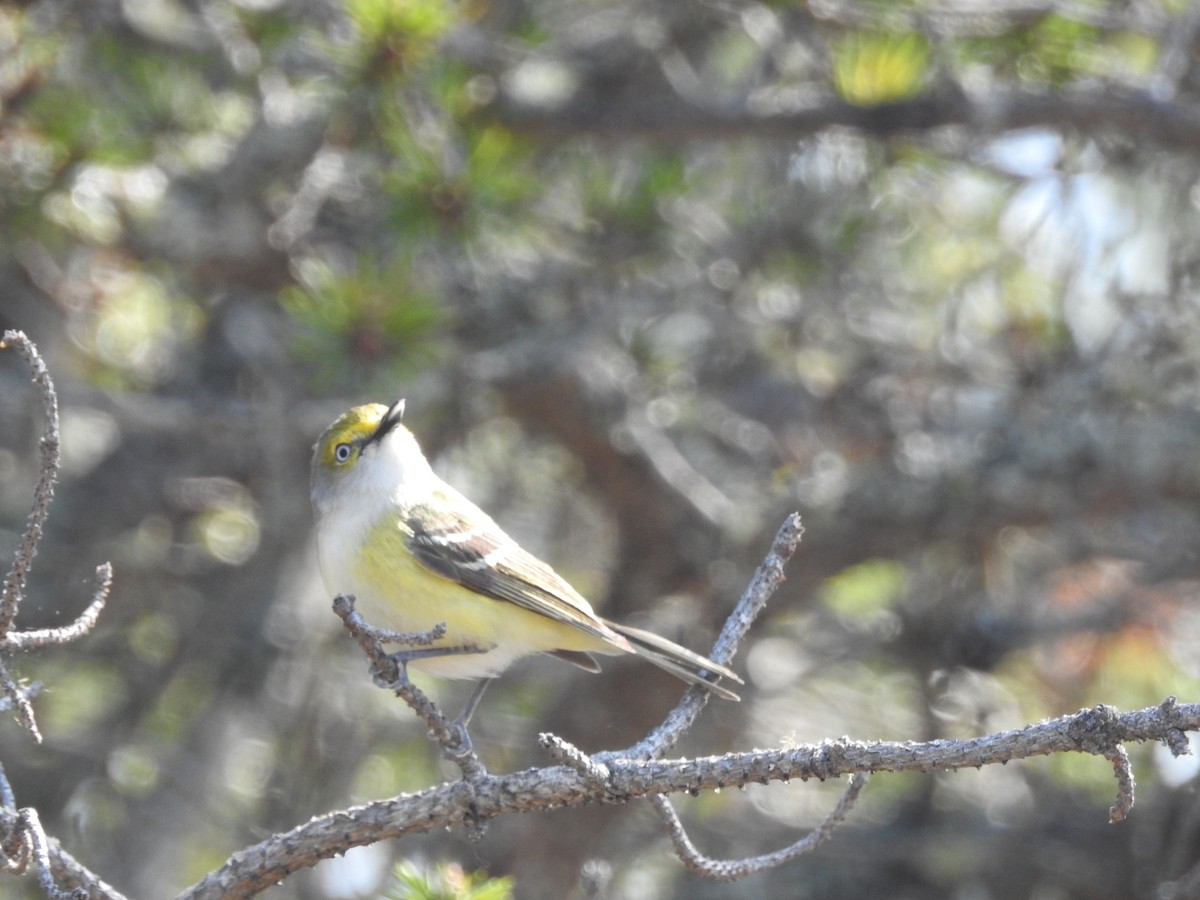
(1125, 784)
(1177, 739)
(568, 754)
(18, 698)
(64, 868)
(29, 690)
(44, 637)
(452, 738)
(39, 845)
(408, 638)
(43, 493)
(762, 586)
(729, 870)
(8, 799)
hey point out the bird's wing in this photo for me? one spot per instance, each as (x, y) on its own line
(452, 537)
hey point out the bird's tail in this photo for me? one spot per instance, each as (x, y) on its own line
(679, 661)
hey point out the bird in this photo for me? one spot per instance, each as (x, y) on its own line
(417, 555)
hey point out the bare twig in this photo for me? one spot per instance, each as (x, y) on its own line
(44, 637)
(568, 754)
(22, 838)
(39, 849)
(43, 492)
(8, 799)
(1176, 739)
(451, 737)
(762, 586)
(1125, 784)
(18, 696)
(729, 870)
(21, 835)
(29, 690)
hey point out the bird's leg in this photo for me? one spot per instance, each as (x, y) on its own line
(473, 701)
(403, 657)
(460, 723)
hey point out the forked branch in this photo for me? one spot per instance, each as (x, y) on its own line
(17, 694)
(22, 840)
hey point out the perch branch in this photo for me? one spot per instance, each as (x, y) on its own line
(1097, 731)
(451, 737)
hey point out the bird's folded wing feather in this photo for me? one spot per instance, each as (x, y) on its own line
(453, 538)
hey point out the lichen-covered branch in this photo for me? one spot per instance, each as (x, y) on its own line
(454, 741)
(731, 869)
(1095, 731)
(762, 587)
(17, 694)
(23, 840)
(43, 492)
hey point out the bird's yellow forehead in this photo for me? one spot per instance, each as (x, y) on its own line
(354, 424)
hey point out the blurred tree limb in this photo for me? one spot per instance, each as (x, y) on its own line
(1168, 122)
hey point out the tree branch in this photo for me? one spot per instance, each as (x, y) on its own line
(22, 839)
(766, 580)
(18, 695)
(43, 492)
(730, 870)
(389, 674)
(1098, 731)
(46, 637)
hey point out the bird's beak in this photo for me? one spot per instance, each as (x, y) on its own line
(390, 420)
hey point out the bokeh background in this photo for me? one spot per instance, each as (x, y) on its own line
(651, 276)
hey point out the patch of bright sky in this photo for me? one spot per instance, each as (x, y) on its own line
(1177, 770)
(1102, 233)
(1028, 154)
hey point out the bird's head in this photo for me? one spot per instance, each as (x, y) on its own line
(366, 452)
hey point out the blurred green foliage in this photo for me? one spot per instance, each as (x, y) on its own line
(864, 589)
(397, 35)
(353, 323)
(447, 882)
(873, 68)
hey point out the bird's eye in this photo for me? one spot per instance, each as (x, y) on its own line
(341, 453)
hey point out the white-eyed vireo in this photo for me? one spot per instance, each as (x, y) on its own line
(415, 553)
